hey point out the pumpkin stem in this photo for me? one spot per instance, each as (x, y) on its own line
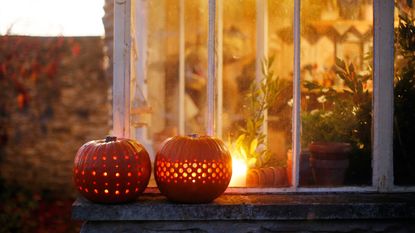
(193, 135)
(110, 139)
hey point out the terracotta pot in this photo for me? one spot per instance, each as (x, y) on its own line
(306, 175)
(330, 150)
(329, 172)
(252, 178)
(329, 162)
(267, 177)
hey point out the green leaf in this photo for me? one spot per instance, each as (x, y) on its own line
(253, 146)
(311, 85)
(240, 139)
(271, 61)
(250, 125)
(264, 68)
(351, 68)
(340, 63)
(252, 162)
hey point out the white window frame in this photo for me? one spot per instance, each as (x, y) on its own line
(383, 62)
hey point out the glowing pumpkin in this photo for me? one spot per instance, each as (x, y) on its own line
(112, 170)
(193, 169)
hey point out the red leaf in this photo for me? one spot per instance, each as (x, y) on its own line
(76, 49)
(21, 101)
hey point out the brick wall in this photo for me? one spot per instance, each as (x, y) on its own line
(41, 134)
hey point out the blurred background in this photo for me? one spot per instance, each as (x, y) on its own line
(54, 97)
(56, 78)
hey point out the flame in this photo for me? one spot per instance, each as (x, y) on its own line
(239, 167)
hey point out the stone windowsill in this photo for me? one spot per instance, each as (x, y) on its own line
(256, 207)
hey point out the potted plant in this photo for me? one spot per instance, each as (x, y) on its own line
(263, 169)
(338, 127)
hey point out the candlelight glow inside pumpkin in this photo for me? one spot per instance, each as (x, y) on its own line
(112, 170)
(193, 169)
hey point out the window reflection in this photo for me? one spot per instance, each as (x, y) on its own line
(336, 82)
(336, 93)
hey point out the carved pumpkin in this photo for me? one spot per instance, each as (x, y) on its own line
(111, 170)
(192, 169)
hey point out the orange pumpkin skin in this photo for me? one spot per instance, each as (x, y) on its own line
(111, 170)
(191, 169)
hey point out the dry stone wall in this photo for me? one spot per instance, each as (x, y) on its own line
(40, 139)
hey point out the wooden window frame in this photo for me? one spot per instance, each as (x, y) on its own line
(383, 63)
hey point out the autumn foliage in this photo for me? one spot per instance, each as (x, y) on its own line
(25, 60)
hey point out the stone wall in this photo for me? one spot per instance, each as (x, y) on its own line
(254, 213)
(42, 129)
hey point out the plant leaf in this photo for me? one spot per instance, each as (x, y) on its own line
(340, 63)
(253, 146)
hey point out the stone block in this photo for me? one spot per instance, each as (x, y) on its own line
(298, 213)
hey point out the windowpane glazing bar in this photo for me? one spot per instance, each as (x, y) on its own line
(181, 101)
(261, 48)
(121, 75)
(383, 62)
(219, 75)
(210, 115)
(138, 89)
(296, 122)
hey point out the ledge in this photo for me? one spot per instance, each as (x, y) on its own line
(257, 207)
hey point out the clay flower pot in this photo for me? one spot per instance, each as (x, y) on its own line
(306, 176)
(329, 162)
(267, 177)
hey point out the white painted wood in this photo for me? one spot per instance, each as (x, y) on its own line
(357, 189)
(219, 74)
(261, 48)
(403, 189)
(261, 36)
(121, 63)
(383, 91)
(210, 114)
(139, 20)
(296, 120)
(182, 64)
(383, 49)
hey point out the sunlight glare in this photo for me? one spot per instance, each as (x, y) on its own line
(52, 17)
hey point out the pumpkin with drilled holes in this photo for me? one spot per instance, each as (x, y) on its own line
(193, 169)
(113, 170)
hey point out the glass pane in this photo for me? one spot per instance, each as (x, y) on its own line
(196, 27)
(262, 158)
(404, 91)
(336, 89)
(259, 155)
(155, 97)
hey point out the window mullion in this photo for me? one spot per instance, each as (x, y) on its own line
(121, 73)
(219, 74)
(296, 122)
(383, 62)
(210, 114)
(138, 73)
(181, 101)
(261, 47)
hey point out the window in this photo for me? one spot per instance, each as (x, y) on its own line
(272, 79)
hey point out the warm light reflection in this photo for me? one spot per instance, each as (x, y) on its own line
(239, 167)
(239, 170)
